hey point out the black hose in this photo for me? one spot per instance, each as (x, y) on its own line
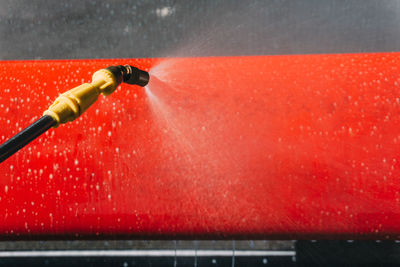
(24, 137)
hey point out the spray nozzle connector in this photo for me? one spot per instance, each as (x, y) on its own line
(71, 104)
(129, 74)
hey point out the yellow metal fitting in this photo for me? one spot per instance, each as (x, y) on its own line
(71, 104)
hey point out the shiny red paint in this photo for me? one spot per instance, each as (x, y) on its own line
(245, 147)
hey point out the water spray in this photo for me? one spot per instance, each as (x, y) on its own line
(71, 104)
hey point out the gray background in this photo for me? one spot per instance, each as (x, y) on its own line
(49, 29)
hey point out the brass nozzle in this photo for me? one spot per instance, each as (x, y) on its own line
(71, 104)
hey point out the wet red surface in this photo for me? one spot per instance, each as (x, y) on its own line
(246, 147)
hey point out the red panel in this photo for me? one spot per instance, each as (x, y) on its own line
(266, 147)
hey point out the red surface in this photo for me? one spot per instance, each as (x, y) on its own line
(266, 147)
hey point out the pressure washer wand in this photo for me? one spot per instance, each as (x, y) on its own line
(71, 104)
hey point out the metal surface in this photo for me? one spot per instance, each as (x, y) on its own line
(265, 147)
(147, 253)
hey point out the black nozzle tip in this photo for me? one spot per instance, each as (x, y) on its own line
(136, 76)
(129, 74)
